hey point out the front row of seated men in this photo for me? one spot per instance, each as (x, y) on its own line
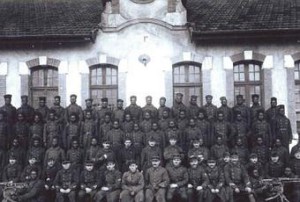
(202, 181)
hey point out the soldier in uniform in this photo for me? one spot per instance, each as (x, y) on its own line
(262, 151)
(198, 149)
(237, 179)
(36, 150)
(227, 111)
(222, 128)
(198, 181)
(162, 107)
(163, 122)
(88, 129)
(73, 108)
(178, 180)
(5, 130)
(76, 156)
(272, 111)
(12, 171)
(110, 184)
(182, 121)
(282, 127)
(138, 138)
(191, 133)
(51, 128)
(59, 111)
(282, 152)
(37, 127)
(205, 128)
(255, 107)
(157, 134)
(156, 181)
(146, 122)
(43, 109)
(103, 110)
(132, 184)
(245, 111)
(115, 136)
(126, 154)
(274, 168)
(241, 150)
(171, 150)
(148, 152)
(66, 183)
(34, 191)
(254, 163)
(89, 108)
(134, 110)
(150, 108)
(258, 186)
(173, 131)
(210, 109)
(104, 154)
(119, 112)
(21, 130)
(104, 127)
(92, 151)
(54, 152)
(216, 182)
(89, 182)
(26, 109)
(72, 130)
(193, 108)
(127, 124)
(217, 150)
(49, 173)
(240, 129)
(18, 152)
(9, 109)
(178, 106)
(32, 165)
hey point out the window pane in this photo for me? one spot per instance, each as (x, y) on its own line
(297, 97)
(251, 76)
(257, 76)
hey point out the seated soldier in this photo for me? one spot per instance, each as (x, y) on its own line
(258, 186)
(27, 170)
(110, 183)
(198, 181)
(172, 149)
(89, 182)
(274, 168)
(216, 182)
(126, 154)
(178, 180)
(148, 152)
(132, 184)
(255, 163)
(156, 181)
(103, 155)
(198, 148)
(66, 183)
(237, 179)
(34, 190)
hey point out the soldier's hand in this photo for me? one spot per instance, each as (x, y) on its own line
(68, 190)
(47, 187)
(61, 190)
(132, 193)
(248, 189)
(95, 187)
(82, 186)
(237, 190)
(104, 188)
(88, 190)
(190, 186)
(173, 185)
(213, 191)
(199, 188)
(217, 190)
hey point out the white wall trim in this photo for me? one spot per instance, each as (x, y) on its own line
(3, 68)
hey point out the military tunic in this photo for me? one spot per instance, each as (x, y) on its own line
(66, 179)
(178, 175)
(132, 182)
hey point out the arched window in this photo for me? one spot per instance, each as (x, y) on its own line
(187, 79)
(248, 80)
(44, 83)
(297, 92)
(104, 83)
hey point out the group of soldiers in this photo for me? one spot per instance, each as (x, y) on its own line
(179, 153)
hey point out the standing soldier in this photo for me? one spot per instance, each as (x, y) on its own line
(162, 107)
(240, 129)
(156, 181)
(73, 108)
(282, 127)
(126, 154)
(210, 109)
(227, 111)
(222, 128)
(54, 152)
(178, 106)
(49, 173)
(26, 109)
(132, 184)
(115, 136)
(51, 128)
(255, 107)
(182, 120)
(59, 111)
(205, 128)
(237, 179)
(148, 152)
(217, 150)
(262, 151)
(76, 157)
(198, 181)
(5, 135)
(245, 111)
(134, 110)
(274, 168)
(104, 109)
(178, 180)
(157, 134)
(43, 109)
(110, 184)
(89, 182)
(216, 182)
(191, 133)
(146, 122)
(37, 127)
(171, 132)
(127, 124)
(193, 108)
(88, 129)
(17, 152)
(150, 108)
(92, 151)
(272, 111)
(72, 130)
(118, 113)
(138, 138)
(21, 130)
(282, 152)
(10, 111)
(104, 127)
(104, 154)
(171, 150)
(66, 183)
(241, 150)
(37, 150)
(89, 108)
(164, 120)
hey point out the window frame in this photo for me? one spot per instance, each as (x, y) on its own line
(297, 84)
(187, 85)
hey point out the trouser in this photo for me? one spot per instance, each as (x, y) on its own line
(126, 196)
(82, 194)
(177, 191)
(111, 196)
(195, 195)
(60, 197)
(212, 196)
(159, 195)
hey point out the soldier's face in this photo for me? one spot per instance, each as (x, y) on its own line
(56, 101)
(66, 166)
(201, 115)
(278, 143)
(254, 160)
(234, 159)
(133, 100)
(36, 143)
(297, 155)
(226, 159)
(165, 114)
(106, 145)
(176, 162)
(255, 100)
(260, 116)
(259, 141)
(110, 166)
(273, 103)
(194, 163)
(281, 111)
(88, 103)
(89, 167)
(193, 101)
(219, 140)
(151, 143)
(75, 144)
(133, 167)
(24, 100)
(274, 158)
(287, 171)
(147, 116)
(36, 118)
(120, 105)
(127, 143)
(94, 142)
(240, 100)
(72, 118)
(173, 141)
(211, 164)
(116, 125)
(255, 173)
(148, 100)
(192, 122)
(208, 100)
(51, 116)
(88, 115)
(127, 117)
(136, 127)
(73, 100)
(162, 102)
(107, 118)
(7, 100)
(239, 142)
(54, 142)
(104, 104)
(15, 143)
(239, 117)
(12, 161)
(32, 161)
(224, 102)
(155, 163)
(50, 163)
(154, 126)
(196, 144)
(182, 114)
(220, 117)
(178, 98)
(20, 117)
(42, 103)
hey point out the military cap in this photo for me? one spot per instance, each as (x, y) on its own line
(106, 142)
(194, 96)
(66, 162)
(89, 163)
(274, 154)
(209, 96)
(211, 160)
(260, 111)
(24, 96)
(223, 98)
(255, 95)
(105, 99)
(148, 96)
(73, 95)
(133, 96)
(239, 96)
(179, 94)
(89, 99)
(226, 154)
(273, 99)
(110, 160)
(280, 106)
(176, 156)
(155, 158)
(173, 137)
(12, 156)
(192, 158)
(234, 155)
(120, 100)
(196, 140)
(7, 96)
(253, 155)
(151, 139)
(163, 98)
(57, 97)
(42, 99)
(132, 162)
